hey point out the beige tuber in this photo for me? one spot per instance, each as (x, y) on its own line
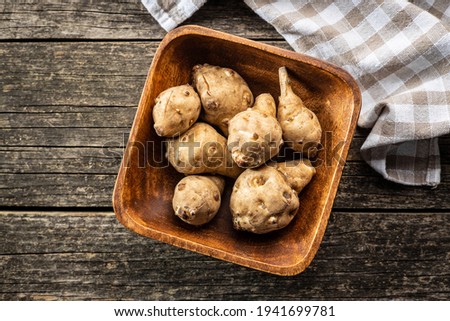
(297, 172)
(223, 93)
(255, 135)
(266, 199)
(262, 201)
(301, 128)
(201, 149)
(176, 109)
(196, 198)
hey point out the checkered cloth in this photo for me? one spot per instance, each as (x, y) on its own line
(398, 51)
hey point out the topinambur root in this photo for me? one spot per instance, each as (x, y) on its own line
(176, 109)
(197, 198)
(201, 149)
(301, 128)
(223, 93)
(255, 135)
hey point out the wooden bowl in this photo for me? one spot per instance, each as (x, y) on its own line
(144, 188)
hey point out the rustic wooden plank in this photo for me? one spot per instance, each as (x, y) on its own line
(374, 192)
(81, 74)
(56, 190)
(103, 157)
(119, 20)
(99, 132)
(95, 190)
(78, 256)
(109, 126)
(74, 160)
(359, 138)
(64, 137)
(67, 116)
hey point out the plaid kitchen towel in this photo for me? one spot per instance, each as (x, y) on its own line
(398, 51)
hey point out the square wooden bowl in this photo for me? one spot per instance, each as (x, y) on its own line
(144, 188)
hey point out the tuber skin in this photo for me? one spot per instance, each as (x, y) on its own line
(201, 149)
(265, 104)
(176, 109)
(297, 172)
(262, 201)
(197, 198)
(301, 128)
(223, 93)
(255, 135)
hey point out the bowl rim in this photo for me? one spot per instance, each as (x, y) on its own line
(284, 270)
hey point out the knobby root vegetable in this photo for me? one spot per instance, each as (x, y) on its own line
(265, 104)
(297, 172)
(196, 198)
(223, 93)
(176, 109)
(255, 135)
(262, 201)
(301, 128)
(201, 149)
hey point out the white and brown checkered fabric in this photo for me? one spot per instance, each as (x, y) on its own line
(170, 13)
(399, 52)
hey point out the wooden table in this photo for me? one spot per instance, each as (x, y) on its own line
(70, 79)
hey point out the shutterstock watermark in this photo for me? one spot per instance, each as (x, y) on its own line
(190, 152)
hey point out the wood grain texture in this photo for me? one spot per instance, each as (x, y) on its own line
(62, 91)
(119, 20)
(95, 190)
(105, 159)
(81, 75)
(79, 256)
